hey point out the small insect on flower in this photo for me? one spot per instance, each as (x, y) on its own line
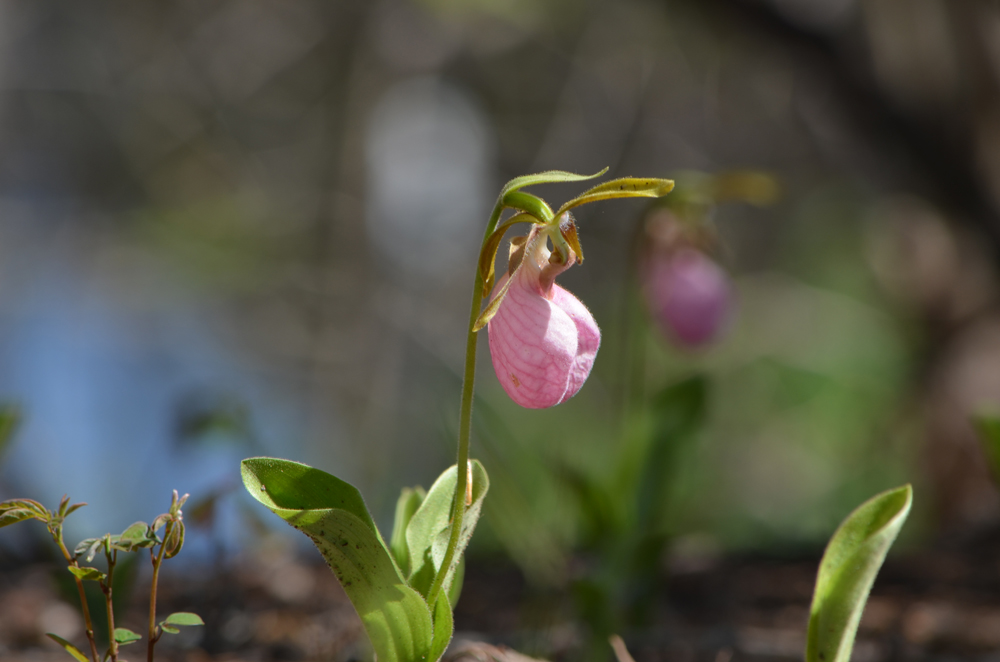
(543, 340)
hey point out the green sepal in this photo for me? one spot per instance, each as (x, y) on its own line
(850, 563)
(488, 254)
(625, 187)
(333, 515)
(429, 530)
(68, 647)
(547, 177)
(124, 636)
(494, 305)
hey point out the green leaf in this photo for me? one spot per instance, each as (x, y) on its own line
(136, 536)
(169, 628)
(428, 532)
(409, 501)
(848, 569)
(333, 515)
(15, 515)
(87, 574)
(626, 187)
(455, 591)
(125, 636)
(183, 618)
(13, 511)
(547, 177)
(68, 647)
(89, 547)
(444, 627)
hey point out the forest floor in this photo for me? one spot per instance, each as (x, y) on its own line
(940, 604)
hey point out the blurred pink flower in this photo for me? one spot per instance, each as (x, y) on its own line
(543, 340)
(689, 295)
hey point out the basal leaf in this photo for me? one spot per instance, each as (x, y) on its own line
(626, 187)
(444, 627)
(409, 501)
(183, 618)
(428, 533)
(850, 563)
(333, 515)
(68, 647)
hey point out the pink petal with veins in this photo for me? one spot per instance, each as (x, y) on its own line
(543, 345)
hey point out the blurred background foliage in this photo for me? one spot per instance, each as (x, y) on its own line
(237, 228)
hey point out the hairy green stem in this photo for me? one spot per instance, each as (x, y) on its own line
(464, 425)
(89, 624)
(157, 562)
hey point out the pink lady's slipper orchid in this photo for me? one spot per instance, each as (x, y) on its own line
(689, 295)
(543, 341)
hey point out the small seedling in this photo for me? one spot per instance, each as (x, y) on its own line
(136, 537)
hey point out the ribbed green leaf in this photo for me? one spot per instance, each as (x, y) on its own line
(333, 515)
(850, 563)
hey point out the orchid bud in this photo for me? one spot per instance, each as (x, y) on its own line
(543, 341)
(689, 295)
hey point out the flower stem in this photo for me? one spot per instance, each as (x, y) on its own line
(464, 426)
